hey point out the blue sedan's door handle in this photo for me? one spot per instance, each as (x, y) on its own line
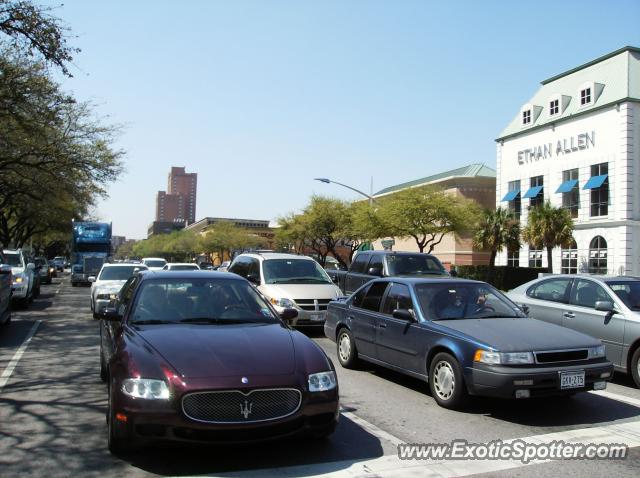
(569, 315)
(382, 325)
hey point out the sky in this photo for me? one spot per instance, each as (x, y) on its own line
(261, 97)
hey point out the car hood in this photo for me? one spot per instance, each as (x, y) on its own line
(520, 335)
(301, 291)
(199, 351)
(17, 270)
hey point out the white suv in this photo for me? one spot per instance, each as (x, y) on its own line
(23, 275)
(290, 281)
(154, 263)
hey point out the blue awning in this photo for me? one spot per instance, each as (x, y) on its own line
(595, 182)
(532, 192)
(511, 195)
(567, 186)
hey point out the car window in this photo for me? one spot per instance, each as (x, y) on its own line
(240, 266)
(554, 290)
(398, 297)
(376, 261)
(253, 267)
(586, 293)
(628, 291)
(358, 297)
(185, 267)
(359, 263)
(413, 264)
(373, 297)
(155, 263)
(119, 272)
(126, 293)
(13, 259)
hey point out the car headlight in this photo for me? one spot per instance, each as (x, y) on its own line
(18, 279)
(284, 303)
(504, 358)
(323, 381)
(145, 388)
(596, 352)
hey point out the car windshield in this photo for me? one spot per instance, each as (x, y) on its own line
(418, 264)
(12, 259)
(185, 267)
(155, 263)
(628, 291)
(40, 261)
(119, 272)
(442, 301)
(200, 301)
(294, 271)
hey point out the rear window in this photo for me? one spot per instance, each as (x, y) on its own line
(155, 263)
(12, 259)
(186, 267)
(418, 264)
(120, 272)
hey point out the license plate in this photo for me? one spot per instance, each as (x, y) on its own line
(318, 317)
(572, 379)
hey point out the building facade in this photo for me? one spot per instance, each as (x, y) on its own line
(576, 144)
(476, 182)
(178, 203)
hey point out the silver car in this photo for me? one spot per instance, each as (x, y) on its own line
(604, 307)
(107, 285)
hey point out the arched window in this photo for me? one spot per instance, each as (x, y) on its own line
(570, 259)
(598, 255)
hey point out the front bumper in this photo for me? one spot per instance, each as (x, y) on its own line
(309, 318)
(20, 291)
(498, 381)
(148, 422)
(80, 277)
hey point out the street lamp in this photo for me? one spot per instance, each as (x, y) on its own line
(327, 181)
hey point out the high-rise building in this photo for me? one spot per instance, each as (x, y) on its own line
(178, 203)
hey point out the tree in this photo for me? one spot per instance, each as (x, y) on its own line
(549, 227)
(496, 230)
(362, 224)
(33, 31)
(291, 233)
(225, 237)
(427, 215)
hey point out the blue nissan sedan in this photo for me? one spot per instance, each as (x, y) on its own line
(465, 338)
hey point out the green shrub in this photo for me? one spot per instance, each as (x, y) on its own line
(502, 277)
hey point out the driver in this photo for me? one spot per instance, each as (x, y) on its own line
(452, 304)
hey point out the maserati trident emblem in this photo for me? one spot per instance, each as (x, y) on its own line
(244, 380)
(245, 409)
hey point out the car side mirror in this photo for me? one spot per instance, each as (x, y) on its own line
(111, 314)
(604, 306)
(288, 314)
(404, 314)
(375, 271)
(254, 278)
(524, 308)
(92, 278)
(31, 266)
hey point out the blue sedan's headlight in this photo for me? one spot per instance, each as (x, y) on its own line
(504, 358)
(596, 352)
(323, 381)
(145, 388)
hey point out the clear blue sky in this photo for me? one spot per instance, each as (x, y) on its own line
(259, 97)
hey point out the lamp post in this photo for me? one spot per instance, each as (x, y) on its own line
(327, 181)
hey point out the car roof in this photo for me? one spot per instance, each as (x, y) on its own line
(396, 253)
(428, 280)
(597, 277)
(276, 255)
(153, 259)
(122, 264)
(191, 274)
(182, 264)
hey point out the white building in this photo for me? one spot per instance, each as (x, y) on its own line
(577, 144)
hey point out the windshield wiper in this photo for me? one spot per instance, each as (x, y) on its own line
(213, 320)
(152, 322)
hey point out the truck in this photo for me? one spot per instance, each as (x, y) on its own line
(368, 265)
(90, 248)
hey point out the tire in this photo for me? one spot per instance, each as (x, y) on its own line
(346, 349)
(446, 381)
(104, 372)
(635, 367)
(118, 439)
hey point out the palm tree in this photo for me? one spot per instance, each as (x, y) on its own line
(497, 229)
(548, 226)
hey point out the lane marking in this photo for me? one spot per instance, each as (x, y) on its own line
(6, 374)
(392, 466)
(616, 396)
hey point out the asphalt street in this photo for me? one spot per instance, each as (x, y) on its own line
(52, 417)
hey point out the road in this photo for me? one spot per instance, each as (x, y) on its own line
(52, 417)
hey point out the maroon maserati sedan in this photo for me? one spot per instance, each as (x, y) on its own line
(203, 357)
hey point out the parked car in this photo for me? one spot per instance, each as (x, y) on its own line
(289, 281)
(154, 263)
(178, 266)
(44, 270)
(369, 265)
(332, 264)
(224, 266)
(465, 338)
(6, 283)
(53, 268)
(605, 307)
(207, 266)
(23, 276)
(201, 356)
(60, 262)
(106, 286)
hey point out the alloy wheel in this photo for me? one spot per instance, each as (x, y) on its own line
(345, 348)
(444, 380)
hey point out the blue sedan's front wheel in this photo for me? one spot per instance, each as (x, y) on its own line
(446, 381)
(347, 353)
